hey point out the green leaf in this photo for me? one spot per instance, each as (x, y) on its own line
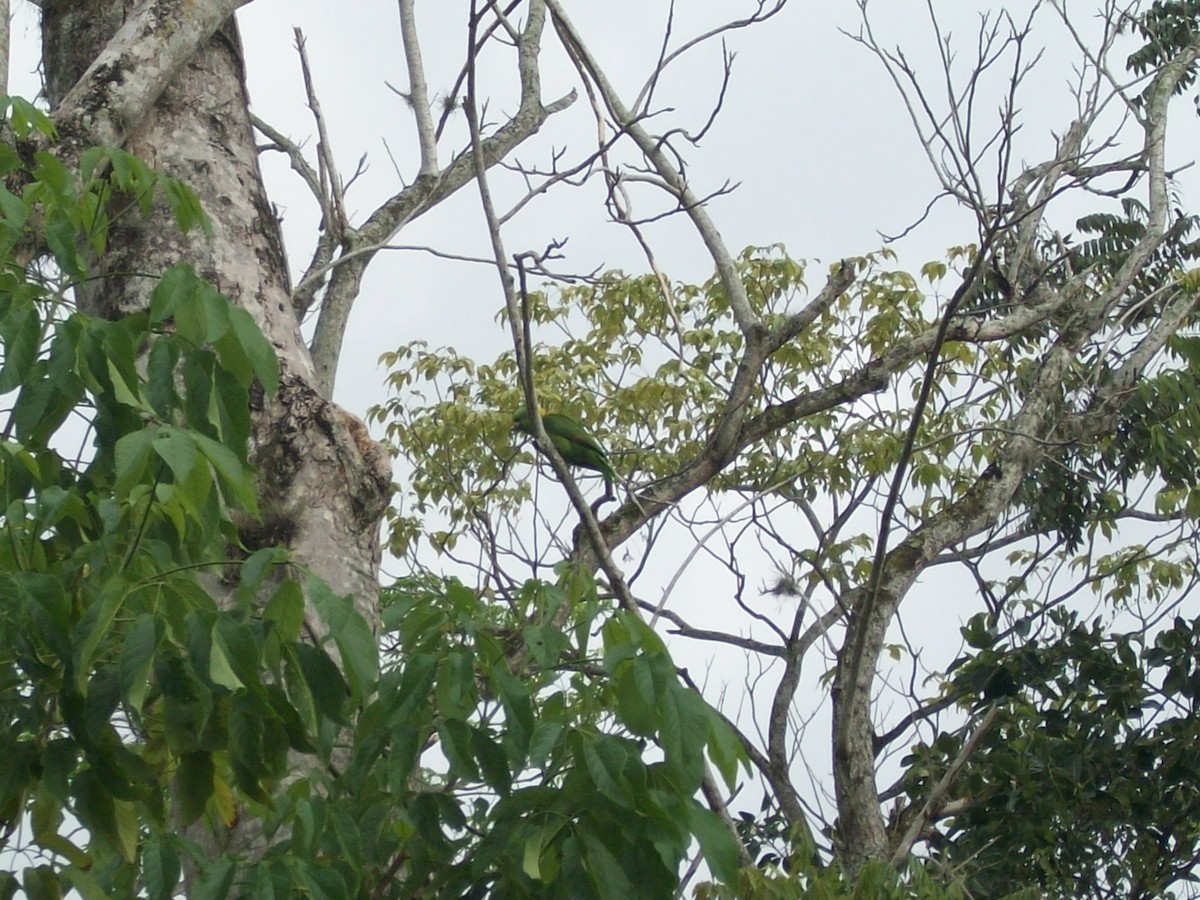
(191, 316)
(324, 680)
(161, 364)
(493, 761)
(21, 332)
(185, 206)
(16, 776)
(323, 882)
(177, 449)
(297, 693)
(724, 748)
(540, 854)
(254, 570)
(193, 785)
(717, 842)
(10, 161)
(546, 643)
(456, 695)
(187, 703)
(160, 867)
(62, 846)
(51, 172)
(127, 830)
(132, 453)
(286, 609)
(236, 642)
(353, 636)
(518, 711)
(605, 758)
(85, 883)
(61, 234)
(216, 312)
(215, 880)
(349, 838)
(237, 480)
(25, 117)
(546, 737)
(455, 736)
(635, 695)
(258, 744)
(683, 732)
(220, 669)
(608, 878)
(96, 626)
(41, 883)
(137, 655)
(176, 287)
(97, 808)
(257, 348)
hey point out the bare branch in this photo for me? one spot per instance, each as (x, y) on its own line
(418, 93)
(654, 151)
(426, 192)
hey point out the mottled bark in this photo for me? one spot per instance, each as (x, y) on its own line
(5, 38)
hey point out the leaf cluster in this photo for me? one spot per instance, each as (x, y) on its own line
(648, 376)
(130, 703)
(1087, 784)
(520, 761)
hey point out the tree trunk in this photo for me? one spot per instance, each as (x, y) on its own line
(323, 483)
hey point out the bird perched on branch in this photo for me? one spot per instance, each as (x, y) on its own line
(572, 441)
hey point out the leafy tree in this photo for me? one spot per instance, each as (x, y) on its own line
(136, 704)
(1085, 783)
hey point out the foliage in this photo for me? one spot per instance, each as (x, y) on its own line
(876, 881)
(528, 763)
(1077, 488)
(1167, 27)
(650, 387)
(788, 867)
(1015, 393)
(1087, 783)
(131, 703)
(648, 378)
(517, 759)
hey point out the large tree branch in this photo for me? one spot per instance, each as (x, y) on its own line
(871, 377)
(861, 821)
(121, 85)
(345, 273)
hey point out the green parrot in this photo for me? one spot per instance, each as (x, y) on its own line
(571, 440)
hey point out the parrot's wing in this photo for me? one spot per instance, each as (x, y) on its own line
(567, 428)
(576, 446)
